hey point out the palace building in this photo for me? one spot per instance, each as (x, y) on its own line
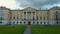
(30, 16)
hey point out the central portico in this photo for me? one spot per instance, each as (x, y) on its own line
(29, 13)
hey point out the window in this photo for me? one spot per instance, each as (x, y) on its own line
(1, 18)
(24, 12)
(41, 18)
(56, 12)
(56, 15)
(33, 22)
(37, 18)
(14, 18)
(47, 22)
(44, 22)
(20, 22)
(57, 22)
(29, 12)
(40, 22)
(24, 22)
(44, 17)
(10, 12)
(33, 18)
(17, 22)
(33, 12)
(17, 18)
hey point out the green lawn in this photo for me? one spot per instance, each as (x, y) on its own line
(45, 29)
(12, 29)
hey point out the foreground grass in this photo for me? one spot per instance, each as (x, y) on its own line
(12, 29)
(45, 29)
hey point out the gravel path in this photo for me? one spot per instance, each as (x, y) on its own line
(28, 30)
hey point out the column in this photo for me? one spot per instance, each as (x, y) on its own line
(23, 15)
(39, 22)
(31, 15)
(12, 22)
(46, 22)
(26, 14)
(35, 22)
(26, 22)
(22, 22)
(42, 22)
(15, 17)
(35, 15)
(18, 22)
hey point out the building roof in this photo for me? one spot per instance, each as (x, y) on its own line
(55, 8)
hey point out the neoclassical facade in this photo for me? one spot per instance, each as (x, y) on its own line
(30, 16)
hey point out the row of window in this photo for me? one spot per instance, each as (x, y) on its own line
(34, 22)
(40, 22)
(17, 22)
(32, 12)
(32, 18)
(26, 12)
(30, 22)
(29, 12)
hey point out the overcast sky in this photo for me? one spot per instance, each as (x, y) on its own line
(15, 4)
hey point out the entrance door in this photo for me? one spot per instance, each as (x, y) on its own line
(29, 22)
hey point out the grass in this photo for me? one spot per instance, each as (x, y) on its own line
(45, 29)
(12, 29)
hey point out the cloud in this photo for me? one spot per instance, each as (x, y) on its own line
(9, 4)
(37, 3)
(15, 4)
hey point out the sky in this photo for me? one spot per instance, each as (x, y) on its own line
(9, 4)
(21, 4)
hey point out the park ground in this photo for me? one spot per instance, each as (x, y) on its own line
(12, 29)
(45, 29)
(35, 29)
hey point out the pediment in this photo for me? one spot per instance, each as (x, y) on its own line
(29, 9)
